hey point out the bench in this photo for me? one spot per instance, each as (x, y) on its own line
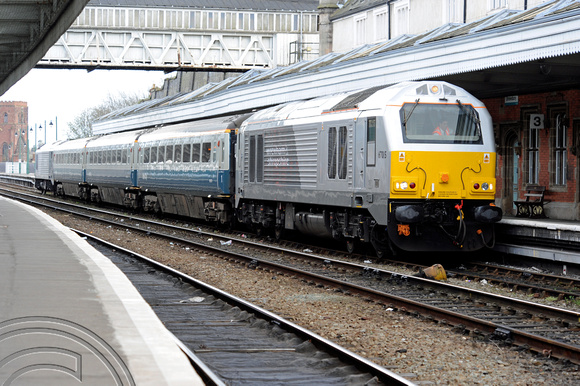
(533, 205)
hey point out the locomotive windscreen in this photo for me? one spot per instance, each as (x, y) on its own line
(436, 123)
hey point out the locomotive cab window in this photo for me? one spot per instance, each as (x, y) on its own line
(440, 123)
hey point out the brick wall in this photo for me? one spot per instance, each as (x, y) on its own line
(510, 122)
(13, 121)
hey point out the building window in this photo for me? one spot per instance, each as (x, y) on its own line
(5, 117)
(493, 5)
(558, 142)
(452, 11)
(533, 151)
(381, 26)
(240, 21)
(360, 30)
(402, 17)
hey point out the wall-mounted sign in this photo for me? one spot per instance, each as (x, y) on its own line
(536, 121)
(511, 100)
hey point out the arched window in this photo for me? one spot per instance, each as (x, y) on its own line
(5, 117)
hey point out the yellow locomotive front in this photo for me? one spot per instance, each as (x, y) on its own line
(442, 173)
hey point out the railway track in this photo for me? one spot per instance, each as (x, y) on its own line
(232, 341)
(547, 330)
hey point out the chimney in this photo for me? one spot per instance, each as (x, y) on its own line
(326, 8)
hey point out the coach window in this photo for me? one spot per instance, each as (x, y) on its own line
(187, 152)
(177, 154)
(206, 152)
(124, 156)
(154, 155)
(119, 156)
(146, 152)
(195, 152)
(371, 141)
(161, 155)
(169, 154)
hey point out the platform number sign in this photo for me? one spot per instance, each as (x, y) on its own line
(536, 121)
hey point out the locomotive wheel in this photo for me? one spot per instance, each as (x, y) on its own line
(381, 243)
(350, 245)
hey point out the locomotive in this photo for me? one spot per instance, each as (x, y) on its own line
(409, 166)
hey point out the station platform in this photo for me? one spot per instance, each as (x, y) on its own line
(565, 232)
(69, 316)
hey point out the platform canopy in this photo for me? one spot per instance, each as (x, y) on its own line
(508, 53)
(28, 28)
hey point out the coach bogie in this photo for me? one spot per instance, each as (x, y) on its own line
(132, 198)
(83, 191)
(94, 195)
(217, 212)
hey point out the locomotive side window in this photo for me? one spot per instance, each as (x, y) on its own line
(256, 158)
(252, 158)
(437, 123)
(187, 152)
(146, 153)
(332, 153)
(337, 152)
(342, 152)
(154, 155)
(371, 141)
(260, 159)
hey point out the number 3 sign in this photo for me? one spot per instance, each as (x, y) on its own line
(536, 121)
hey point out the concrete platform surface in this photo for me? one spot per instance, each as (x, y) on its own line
(68, 316)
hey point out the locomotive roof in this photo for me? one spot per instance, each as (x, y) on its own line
(361, 99)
